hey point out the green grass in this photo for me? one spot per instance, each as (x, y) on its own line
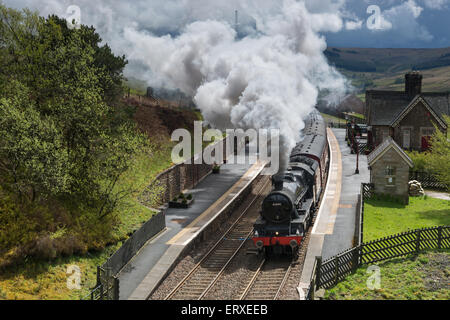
(383, 218)
(330, 118)
(414, 278)
(355, 114)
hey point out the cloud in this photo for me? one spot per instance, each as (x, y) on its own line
(404, 21)
(353, 25)
(435, 4)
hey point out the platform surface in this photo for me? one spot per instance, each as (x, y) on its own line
(141, 275)
(334, 228)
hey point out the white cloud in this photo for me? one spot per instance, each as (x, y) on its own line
(435, 4)
(404, 21)
(353, 25)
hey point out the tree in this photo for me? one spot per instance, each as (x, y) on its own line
(439, 158)
(63, 135)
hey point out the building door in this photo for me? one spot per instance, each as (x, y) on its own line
(425, 143)
(406, 138)
(426, 134)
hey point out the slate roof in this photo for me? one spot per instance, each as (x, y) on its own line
(387, 144)
(385, 106)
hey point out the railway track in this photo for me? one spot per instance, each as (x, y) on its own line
(197, 283)
(268, 280)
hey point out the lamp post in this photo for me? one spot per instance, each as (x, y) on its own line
(357, 151)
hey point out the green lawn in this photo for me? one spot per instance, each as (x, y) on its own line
(414, 278)
(383, 218)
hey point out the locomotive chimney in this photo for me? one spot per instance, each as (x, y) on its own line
(277, 182)
(413, 83)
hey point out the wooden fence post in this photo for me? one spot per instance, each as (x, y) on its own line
(318, 273)
(417, 241)
(355, 258)
(336, 269)
(439, 237)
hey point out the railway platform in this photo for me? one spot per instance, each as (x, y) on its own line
(334, 229)
(212, 195)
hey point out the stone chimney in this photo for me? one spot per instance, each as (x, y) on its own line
(413, 83)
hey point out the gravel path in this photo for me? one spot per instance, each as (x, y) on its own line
(438, 195)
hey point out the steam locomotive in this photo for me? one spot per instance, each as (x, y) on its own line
(287, 211)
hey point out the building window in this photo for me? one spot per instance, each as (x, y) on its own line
(390, 181)
(390, 175)
(427, 131)
(390, 171)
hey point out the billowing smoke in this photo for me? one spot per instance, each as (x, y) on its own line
(268, 80)
(268, 76)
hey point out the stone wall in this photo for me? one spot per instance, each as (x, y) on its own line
(378, 176)
(171, 182)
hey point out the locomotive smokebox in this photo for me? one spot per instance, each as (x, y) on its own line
(277, 182)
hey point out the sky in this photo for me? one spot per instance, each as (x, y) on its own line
(397, 23)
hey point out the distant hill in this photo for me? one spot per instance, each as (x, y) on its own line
(384, 69)
(387, 60)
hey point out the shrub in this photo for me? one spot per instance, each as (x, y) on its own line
(420, 160)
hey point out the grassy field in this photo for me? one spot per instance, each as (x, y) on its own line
(383, 218)
(414, 278)
(330, 118)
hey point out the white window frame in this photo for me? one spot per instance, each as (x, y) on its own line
(411, 129)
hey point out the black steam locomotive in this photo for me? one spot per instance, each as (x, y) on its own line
(288, 209)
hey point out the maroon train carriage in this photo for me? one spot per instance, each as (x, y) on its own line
(288, 209)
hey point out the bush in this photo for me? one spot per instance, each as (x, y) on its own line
(420, 160)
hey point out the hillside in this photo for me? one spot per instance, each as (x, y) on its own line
(384, 69)
(387, 60)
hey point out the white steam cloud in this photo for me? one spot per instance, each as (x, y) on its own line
(270, 77)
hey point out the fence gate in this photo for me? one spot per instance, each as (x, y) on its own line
(107, 287)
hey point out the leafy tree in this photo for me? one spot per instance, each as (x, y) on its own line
(439, 158)
(63, 133)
